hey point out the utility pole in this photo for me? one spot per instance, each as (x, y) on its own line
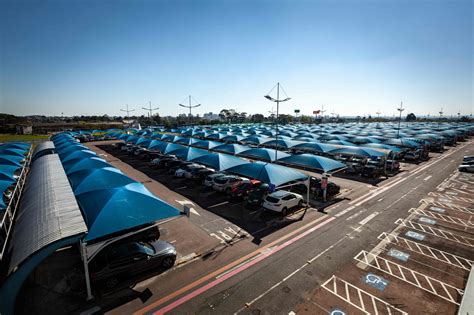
(459, 114)
(150, 110)
(128, 111)
(277, 100)
(190, 106)
(400, 109)
(440, 116)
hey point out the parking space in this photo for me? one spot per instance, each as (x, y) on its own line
(428, 254)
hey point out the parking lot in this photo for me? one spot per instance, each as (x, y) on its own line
(428, 254)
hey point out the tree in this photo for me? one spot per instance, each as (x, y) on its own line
(411, 117)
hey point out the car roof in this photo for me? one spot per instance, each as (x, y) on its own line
(280, 193)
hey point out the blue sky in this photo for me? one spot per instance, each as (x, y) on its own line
(355, 57)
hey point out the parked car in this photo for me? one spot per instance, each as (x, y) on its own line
(119, 145)
(392, 166)
(140, 151)
(412, 155)
(226, 183)
(282, 200)
(173, 165)
(466, 168)
(152, 155)
(184, 169)
(201, 174)
(126, 146)
(156, 161)
(209, 181)
(468, 158)
(257, 195)
(125, 259)
(242, 190)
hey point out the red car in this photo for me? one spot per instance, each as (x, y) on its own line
(243, 189)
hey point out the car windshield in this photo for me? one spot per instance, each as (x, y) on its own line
(147, 248)
(272, 199)
(220, 180)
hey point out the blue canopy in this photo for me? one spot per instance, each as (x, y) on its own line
(168, 137)
(156, 136)
(158, 145)
(64, 151)
(314, 161)
(172, 147)
(231, 148)
(264, 154)
(7, 172)
(78, 154)
(383, 146)
(100, 178)
(15, 145)
(357, 151)
(107, 211)
(282, 143)
(206, 144)
(315, 147)
(232, 138)
(143, 142)
(12, 160)
(256, 139)
(83, 164)
(219, 161)
(186, 141)
(133, 139)
(12, 151)
(268, 173)
(340, 142)
(4, 184)
(188, 153)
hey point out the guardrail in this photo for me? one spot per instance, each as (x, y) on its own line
(6, 222)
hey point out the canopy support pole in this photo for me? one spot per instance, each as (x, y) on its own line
(86, 271)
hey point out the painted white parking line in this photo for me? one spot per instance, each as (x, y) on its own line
(356, 296)
(428, 251)
(451, 197)
(428, 177)
(448, 205)
(344, 211)
(419, 280)
(368, 218)
(437, 232)
(442, 217)
(217, 205)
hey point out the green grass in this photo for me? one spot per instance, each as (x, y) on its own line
(10, 138)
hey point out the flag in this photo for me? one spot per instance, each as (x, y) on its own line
(315, 112)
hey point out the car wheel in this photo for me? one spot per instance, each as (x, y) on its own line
(168, 262)
(462, 169)
(300, 203)
(111, 283)
(284, 211)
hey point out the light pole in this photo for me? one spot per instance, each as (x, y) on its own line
(400, 109)
(277, 100)
(150, 110)
(190, 106)
(128, 111)
(440, 116)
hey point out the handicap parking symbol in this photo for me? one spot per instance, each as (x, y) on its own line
(337, 312)
(398, 254)
(415, 235)
(427, 220)
(376, 281)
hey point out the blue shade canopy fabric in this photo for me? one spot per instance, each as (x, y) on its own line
(256, 140)
(172, 147)
(188, 153)
(144, 142)
(264, 154)
(7, 172)
(219, 161)
(231, 148)
(65, 150)
(315, 147)
(12, 151)
(4, 184)
(206, 144)
(15, 145)
(340, 142)
(78, 154)
(112, 210)
(382, 146)
(232, 138)
(157, 145)
(185, 141)
(268, 173)
(95, 179)
(168, 137)
(402, 143)
(314, 161)
(358, 151)
(83, 164)
(156, 136)
(282, 143)
(12, 160)
(133, 139)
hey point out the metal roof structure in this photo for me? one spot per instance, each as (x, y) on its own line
(42, 149)
(48, 211)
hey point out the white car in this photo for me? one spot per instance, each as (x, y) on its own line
(209, 181)
(466, 168)
(181, 172)
(226, 183)
(282, 200)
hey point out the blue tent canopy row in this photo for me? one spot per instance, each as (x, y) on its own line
(314, 162)
(4, 185)
(268, 173)
(15, 145)
(264, 154)
(219, 161)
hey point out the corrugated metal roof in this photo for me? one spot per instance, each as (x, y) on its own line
(48, 211)
(48, 145)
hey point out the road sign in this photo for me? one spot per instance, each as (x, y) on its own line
(395, 253)
(376, 281)
(337, 311)
(297, 111)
